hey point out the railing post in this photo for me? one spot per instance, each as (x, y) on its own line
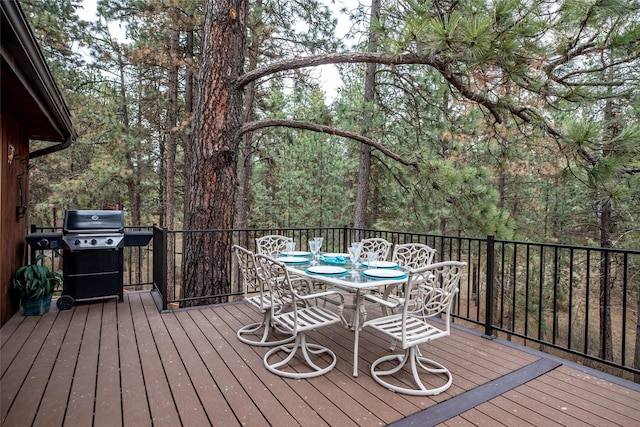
(488, 325)
(160, 263)
(346, 238)
(32, 250)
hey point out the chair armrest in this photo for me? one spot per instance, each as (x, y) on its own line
(387, 303)
(321, 294)
(301, 282)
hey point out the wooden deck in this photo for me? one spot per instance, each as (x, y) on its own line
(110, 364)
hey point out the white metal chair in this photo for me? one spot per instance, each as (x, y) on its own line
(273, 244)
(256, 293)
(376, 244)
(297, 314)
(408, 255)
(413, 255)
(430, 292)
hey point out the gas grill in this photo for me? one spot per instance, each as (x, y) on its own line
(93, 261)
(93, 256)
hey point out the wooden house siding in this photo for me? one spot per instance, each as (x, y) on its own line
(31, 108)
(14, 228)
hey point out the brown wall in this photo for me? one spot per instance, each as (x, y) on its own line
(13, 229)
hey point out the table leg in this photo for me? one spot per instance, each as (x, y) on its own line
(360, 318)
(357, 333)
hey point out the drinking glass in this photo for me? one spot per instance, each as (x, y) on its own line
(314, 247)
(372, 259)
(318, 241)
(354, 254)
(290, 248)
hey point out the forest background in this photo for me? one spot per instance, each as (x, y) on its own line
(562, 166)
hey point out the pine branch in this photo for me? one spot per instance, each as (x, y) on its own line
(261, 124)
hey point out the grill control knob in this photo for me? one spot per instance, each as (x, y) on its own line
(109, 241)
(76, 242)
(94, 242)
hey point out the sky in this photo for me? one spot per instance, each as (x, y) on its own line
(327, 75)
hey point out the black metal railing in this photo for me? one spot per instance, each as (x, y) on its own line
(579, 300)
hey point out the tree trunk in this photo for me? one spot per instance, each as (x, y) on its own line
(606, 345)
(188, 112)
(172, 117)
(206, 266)
(636, 355)
(170, 153)
(364, 171)
(606, 227)
(246, 169)
(133, 182)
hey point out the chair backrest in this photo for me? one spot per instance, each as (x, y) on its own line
(413, 255)
(273, 244)
(430, 292)
(280, 287)
(248, 270)
(378, 245)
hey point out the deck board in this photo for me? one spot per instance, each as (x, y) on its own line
(518, 415)
(135, 406)
(235, 381)
(81, 405)
(33, 336)
(53, 405)
(180, 383)
(34, 384)
(108, 408)
(162, 408)
(246, 363)
(123, 363)
(595, 389)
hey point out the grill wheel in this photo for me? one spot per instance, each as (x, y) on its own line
(65, 302)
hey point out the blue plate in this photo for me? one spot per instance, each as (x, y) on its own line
(293, 260)
(327, 274)
(384, 274)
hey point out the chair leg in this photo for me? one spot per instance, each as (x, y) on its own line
(252, 328)
(414, 358)
(307, 349)
(354, 306)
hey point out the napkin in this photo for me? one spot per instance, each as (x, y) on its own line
(333, 260)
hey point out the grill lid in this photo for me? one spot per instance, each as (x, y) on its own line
(86, 230)
(93, 222)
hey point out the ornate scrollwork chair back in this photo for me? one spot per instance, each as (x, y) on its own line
(375, 244)
(413, 255)
(273, 244)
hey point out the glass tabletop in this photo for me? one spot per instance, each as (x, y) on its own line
(349, 278)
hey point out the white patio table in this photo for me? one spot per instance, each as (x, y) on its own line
(356, 283)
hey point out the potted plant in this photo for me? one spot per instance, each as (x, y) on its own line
(34, 285)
